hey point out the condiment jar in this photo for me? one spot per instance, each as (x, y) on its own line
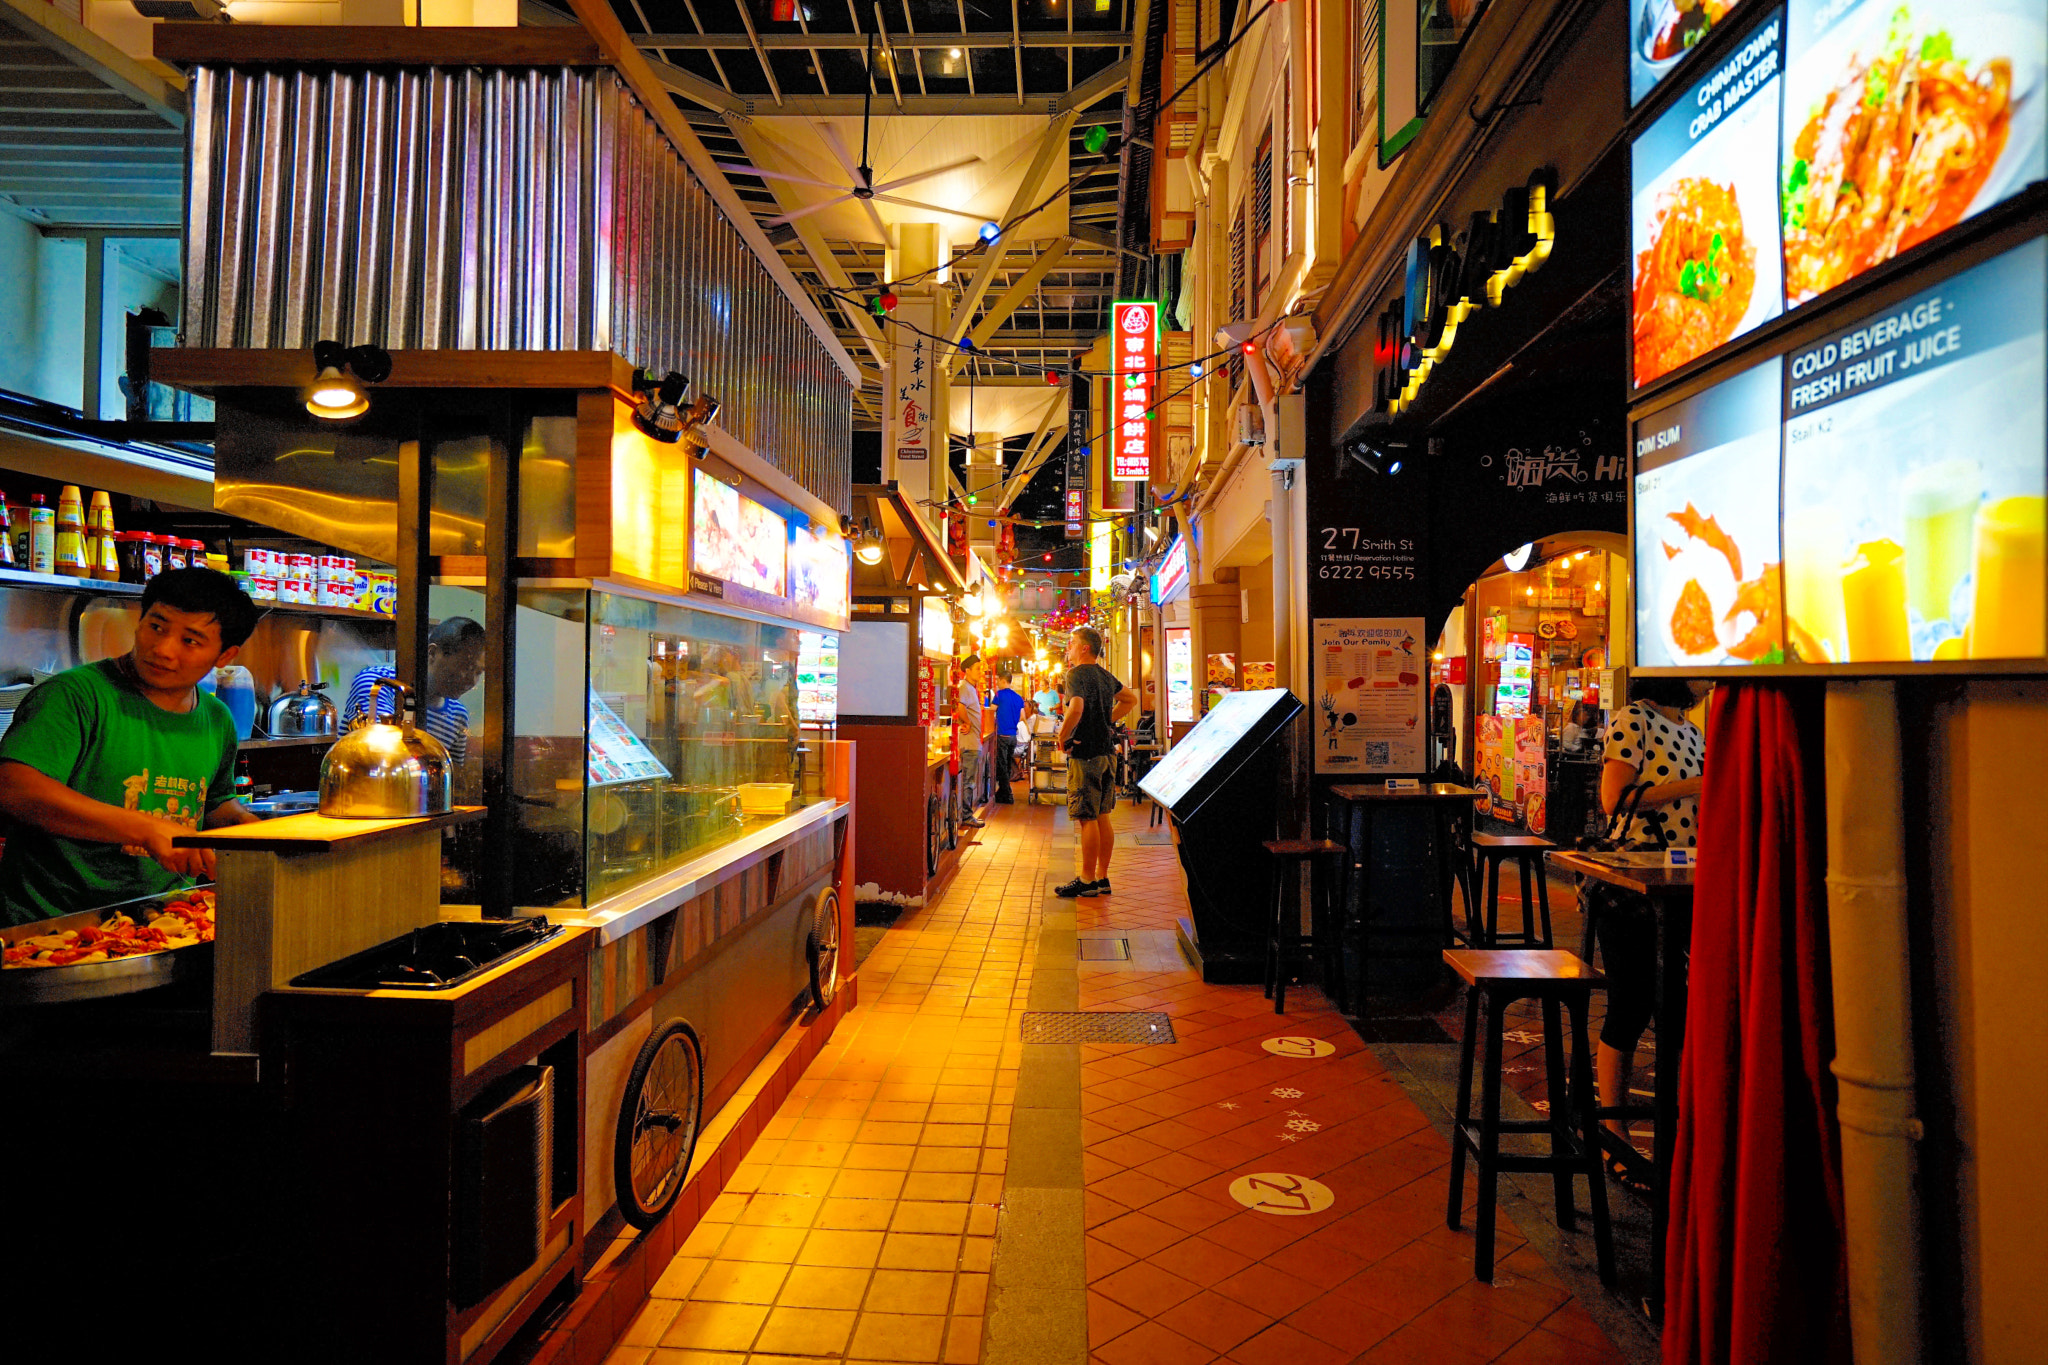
(152, 555)
(129, 549)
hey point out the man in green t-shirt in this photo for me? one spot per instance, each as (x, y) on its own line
(106, 762)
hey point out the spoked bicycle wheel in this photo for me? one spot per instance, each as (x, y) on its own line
(822, 948)
(658, 1123)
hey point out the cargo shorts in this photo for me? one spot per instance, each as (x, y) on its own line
(1091, 786)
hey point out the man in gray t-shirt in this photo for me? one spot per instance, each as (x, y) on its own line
(1096, 701)
(967, 730)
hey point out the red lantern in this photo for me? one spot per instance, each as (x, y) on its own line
(783, 11)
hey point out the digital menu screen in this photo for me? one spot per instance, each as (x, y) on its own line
(1706, 527)
(1916, 460)
(1827, 138)
(1704, 209)
(1900, 121)
(1661, 32)
(1897, 470)
(817, 678)
(1199, 752)
(819, 571)
(736, 538)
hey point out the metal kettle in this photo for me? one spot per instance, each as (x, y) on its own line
(305, 711)
(385, 770)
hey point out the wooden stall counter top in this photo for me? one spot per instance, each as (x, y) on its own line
(1653, 879)
(314, 833)
(1428, 791)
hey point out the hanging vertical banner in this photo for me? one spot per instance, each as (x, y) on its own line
(911, 400)
(1101, 549)
(1133, 390)
(1076, 503)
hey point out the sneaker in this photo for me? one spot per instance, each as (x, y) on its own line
(1077, 887)
(1092, 890)
(1102, 887)
(971, 823)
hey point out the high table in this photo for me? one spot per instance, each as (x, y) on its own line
(1355, 804)
(1669, 892)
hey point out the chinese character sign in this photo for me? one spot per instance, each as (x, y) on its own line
(1133, 390)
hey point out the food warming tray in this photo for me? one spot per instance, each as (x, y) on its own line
(24, 986)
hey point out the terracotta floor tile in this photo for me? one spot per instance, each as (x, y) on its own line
(1104, 1259)
(1145, 1288)
(1272, 1292)
(917, 1251)
(1151, 1344)
(1410, 1346)
(1216, 1321)
(738, 1282)
(854, 1215)
(855, 1250)
(1461, 1320)
(778, 1211)
(1127, 1151)
(963, 1340)
(1096, 1209)
(910, 1291)
(897, 1336)
(823, 1287)
(1281, 1344)
(956, 1186)
(1138, 1233)
(1319, 1264)
(762, 1244)
(1543, 1347)
(805, 1331)
(1192, 1212)
(716, 1326)
(1108, 1319)
(675, 1281)
(1343, 1323)
(808, 1181)
(650, 1322)
(1132, 1189)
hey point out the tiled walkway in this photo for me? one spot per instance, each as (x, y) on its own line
(864, 1225)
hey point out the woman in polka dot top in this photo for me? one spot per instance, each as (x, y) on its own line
(1649, 741)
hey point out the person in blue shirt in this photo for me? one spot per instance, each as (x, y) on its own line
(455, 660)
(1009, 703)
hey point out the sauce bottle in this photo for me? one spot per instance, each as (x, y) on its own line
(106, 564)
(42, 535)
(174, 552)
(128, 550)
(70, 541)
(6, 534)
(152, 556)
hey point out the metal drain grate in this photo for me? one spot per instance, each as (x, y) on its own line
(1104, 949)
(1096, 1026)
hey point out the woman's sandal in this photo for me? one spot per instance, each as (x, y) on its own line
(1623, 1175)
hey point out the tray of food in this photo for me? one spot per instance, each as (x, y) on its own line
(117, 949)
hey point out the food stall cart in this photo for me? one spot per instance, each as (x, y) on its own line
(465, 1113)
(896, 699)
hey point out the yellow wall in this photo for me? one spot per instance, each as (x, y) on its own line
(1988, 931)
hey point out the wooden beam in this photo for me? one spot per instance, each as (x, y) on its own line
(857, 42)
(193, 44)
(206, 369)
(694, 87)
(1052, 144)
(1034, 454)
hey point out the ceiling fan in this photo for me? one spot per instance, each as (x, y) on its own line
(863, 187)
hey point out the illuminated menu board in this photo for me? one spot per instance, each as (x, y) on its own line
(819, 572)
(1132, 389)
(1704, 209)
(1897, 470)
(1661, 33)
(817, 678)
(1825, 139)
(737, 539)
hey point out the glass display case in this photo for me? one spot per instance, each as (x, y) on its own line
(647, 734)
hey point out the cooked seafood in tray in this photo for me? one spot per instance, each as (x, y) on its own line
(1694, 280)
(1894, 152)
(131, 946)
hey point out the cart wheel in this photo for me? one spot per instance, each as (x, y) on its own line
(952, 827)
(658, 1122)
(823, 948)
(934, 836)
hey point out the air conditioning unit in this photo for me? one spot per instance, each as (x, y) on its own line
(1251, 425)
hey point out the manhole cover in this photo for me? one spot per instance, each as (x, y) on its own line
(1105, 949)
(1095, 1026)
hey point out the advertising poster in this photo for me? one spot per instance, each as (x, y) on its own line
(819, 572)
(817, 678)
(737, 539)
(1704, 209)
(1916, 460)
(1180, 674)
(616, 753)
(1370, 694)
(1260, 675)
(1706, 527)
(1661, 32)
(1957, 88)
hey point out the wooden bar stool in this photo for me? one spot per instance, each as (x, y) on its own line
(1494, 979)
(1284, 947)
(1527, 850)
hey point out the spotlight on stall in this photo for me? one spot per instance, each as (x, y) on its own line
(869, 549)
(1381, 458)
(658, 414)
(336, 392)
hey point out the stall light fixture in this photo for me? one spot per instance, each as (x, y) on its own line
(1095, 139)
(990, 231)
(336, 393)
(868, 549)
(658, 414)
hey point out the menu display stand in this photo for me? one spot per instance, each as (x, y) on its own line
(1221, 784)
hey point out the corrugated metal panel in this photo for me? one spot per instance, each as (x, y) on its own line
(492, 209)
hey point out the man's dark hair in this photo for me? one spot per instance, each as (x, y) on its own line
(455, 634)
(969, 662)
(1092, 638)
(1673, 692)
(206, 591)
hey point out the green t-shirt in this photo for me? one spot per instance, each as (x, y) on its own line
(92, 730)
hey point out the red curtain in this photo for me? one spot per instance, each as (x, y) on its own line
(1754, 1268)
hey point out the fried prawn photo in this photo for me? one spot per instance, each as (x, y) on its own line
(1693, 282)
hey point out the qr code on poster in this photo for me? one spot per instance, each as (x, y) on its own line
(1378, 753)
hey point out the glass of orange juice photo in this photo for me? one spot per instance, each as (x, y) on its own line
(1940, 505)
(2009, 617)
